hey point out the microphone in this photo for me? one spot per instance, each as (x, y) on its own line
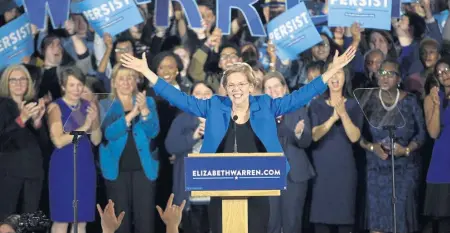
(235, 118)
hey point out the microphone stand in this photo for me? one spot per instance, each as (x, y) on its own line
(391, 129)
(76, 136)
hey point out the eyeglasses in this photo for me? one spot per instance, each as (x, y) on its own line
(323, 44)
(373, 62)
(16, 81)
(228, 56)
(122, 50)
(239, 85)
(442, 71)
(388, 74)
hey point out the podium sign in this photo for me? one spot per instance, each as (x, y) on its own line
(235, 173)
(235, 176)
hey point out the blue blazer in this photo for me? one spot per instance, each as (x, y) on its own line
(263, 111)
(115, 135)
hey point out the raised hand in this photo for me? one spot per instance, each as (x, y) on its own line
(28, 111)
(340, 108)
(141, 101)
(299, 127)
(108, 40)
(110, 222)
(139, 65)
(339, 62)
(41, 106)
(171, 216)
(434, 94)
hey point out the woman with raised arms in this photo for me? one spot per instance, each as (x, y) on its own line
(256, 129)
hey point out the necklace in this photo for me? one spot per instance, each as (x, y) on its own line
(390, 108)
(72, 107)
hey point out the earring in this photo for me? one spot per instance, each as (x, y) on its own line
(398, 84)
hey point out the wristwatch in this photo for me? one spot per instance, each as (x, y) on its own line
(371, 147)
(407, 151)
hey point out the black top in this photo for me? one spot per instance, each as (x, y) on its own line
(246, 140)
(20, 150)
(130, 161)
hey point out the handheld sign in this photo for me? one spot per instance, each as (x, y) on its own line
(109, 16)
(293, 32)
(37, 10)
(369, 14)
(235, 173)
(16, 41)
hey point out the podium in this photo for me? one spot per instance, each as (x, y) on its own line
(235, 177)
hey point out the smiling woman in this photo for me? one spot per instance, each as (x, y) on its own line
(255, 130)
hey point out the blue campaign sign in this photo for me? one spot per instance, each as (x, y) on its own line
(16, 41)
(369, 14)
(293, 32)
(109, 16)
(396, 8)
(235, 173)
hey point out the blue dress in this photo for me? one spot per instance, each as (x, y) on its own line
(334, 187)
(379, 175)
(61, 176)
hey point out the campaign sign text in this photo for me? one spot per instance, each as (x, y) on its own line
(223, 14)
(111, 16)
(368, 13)
(37, 10)
(293, 32)
(16, 41)
(235, 173)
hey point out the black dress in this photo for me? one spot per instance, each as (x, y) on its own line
(258, 207)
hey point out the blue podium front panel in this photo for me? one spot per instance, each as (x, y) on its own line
(235, 173)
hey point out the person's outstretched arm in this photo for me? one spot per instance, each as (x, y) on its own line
(187, 103)
(304, 95)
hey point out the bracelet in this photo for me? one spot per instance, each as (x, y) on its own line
(371, 147)
(144, 118)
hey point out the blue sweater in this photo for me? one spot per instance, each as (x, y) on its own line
(115, 133)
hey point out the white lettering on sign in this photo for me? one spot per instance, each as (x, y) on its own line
(361, 3)
(289, 27)
(15, 37)
(105, 10)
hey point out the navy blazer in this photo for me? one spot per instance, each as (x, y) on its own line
(263, 111)
(294, 148)
(179, 142)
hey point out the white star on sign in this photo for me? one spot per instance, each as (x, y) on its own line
(236, 178)
(292, 36)
(106, 19)
(360, 9)
(15, 47)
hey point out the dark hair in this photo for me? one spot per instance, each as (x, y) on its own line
(256, 65)
(445, 60)
(393, 62)
(347, 88)
(418, 25)
(230, 45)
(156, 61)
(29, 222)
(198, 83)
(316, 65)
(95, 85)
(307, 57)
(70, 71)
(392, 52)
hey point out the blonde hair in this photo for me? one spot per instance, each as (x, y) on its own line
(118, 70)
(239, 67)
(4, 82)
